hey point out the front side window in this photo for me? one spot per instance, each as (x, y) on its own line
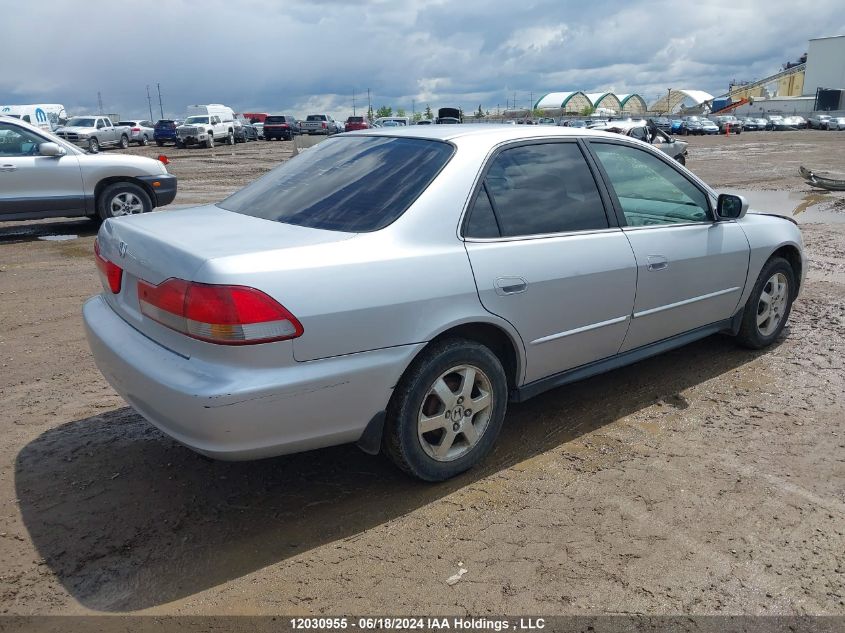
(650, 192)
(543, 188)
(15, 141)
(353, 184)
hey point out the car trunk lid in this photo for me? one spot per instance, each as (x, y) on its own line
(180, 243)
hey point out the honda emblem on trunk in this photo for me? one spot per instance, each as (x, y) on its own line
(122, 248)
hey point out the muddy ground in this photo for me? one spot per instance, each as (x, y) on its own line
(710, 480)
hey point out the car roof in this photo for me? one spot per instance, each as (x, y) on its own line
(499, 133)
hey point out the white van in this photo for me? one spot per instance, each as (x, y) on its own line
(207, 124)
(47, 116)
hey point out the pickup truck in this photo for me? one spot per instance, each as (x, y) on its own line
(205, 129)
(316, 124)
(93, 132)
(44, 176)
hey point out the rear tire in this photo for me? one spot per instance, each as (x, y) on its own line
(463, 418)
(769, 305)
(144, 141)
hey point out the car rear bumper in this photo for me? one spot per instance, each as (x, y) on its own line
(238, 413)
(165, 191)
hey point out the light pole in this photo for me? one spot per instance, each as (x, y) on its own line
(669, 102)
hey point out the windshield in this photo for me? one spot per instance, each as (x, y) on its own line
(80, 122)
(353, 184)
(196, 119)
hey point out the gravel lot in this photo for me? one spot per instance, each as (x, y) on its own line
(710, 480)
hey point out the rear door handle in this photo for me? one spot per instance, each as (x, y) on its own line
(657, 262)
(510, 285)
(8, 168)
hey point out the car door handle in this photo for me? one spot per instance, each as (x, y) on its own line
(8, 168)
(657, 262)
(510, 285)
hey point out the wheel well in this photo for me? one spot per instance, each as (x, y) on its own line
(105, 182)
(791, 254)
(493, 337)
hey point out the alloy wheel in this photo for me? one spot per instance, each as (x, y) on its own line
(126, 203)
(772, 304)
(455, 413)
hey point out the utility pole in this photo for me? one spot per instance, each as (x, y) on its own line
(149, 102)
(100, 102)
(669, 102)
(413, 108)
(160, 107)
(353, 102)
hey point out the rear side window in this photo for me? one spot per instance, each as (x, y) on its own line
(355, 184)
(544, 188)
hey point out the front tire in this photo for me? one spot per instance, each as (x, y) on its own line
(767, 309)
(123, 198)
(93, 145)
(446, 411)
(209, 141)
(124, 141)
(230, 140)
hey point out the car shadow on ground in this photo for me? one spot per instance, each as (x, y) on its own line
(65, 228)
(127, 519)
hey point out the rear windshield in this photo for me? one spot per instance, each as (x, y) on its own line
(354, 184)
(276, 119)
(165, 122)
(355, 119)
(316, 117)
(127, 123)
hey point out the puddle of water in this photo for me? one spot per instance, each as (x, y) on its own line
(57, 238)
(803, 206)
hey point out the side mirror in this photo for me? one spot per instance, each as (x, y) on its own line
(51, 149)
(731, 207)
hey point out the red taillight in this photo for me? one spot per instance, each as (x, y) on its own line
(228, 315)
(111, 272)
(324, 125)
(136, 129)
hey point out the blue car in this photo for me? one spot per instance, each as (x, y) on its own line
(165, 131)
(675, 126)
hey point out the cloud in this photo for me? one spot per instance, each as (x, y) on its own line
(304, 56)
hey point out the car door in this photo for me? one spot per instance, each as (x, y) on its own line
(32, 185)
(691, 269)
(548, 258)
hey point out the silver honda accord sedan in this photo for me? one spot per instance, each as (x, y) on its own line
(398, 287)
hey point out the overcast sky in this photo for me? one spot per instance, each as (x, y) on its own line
(307, 57)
